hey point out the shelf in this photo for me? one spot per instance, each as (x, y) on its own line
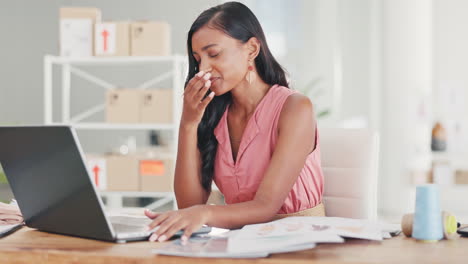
(111, 60)
(174, 70)
(137, 194)
(115, 198)
(449, 155)
(110, 126)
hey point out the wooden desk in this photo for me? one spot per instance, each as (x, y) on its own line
(31, 246)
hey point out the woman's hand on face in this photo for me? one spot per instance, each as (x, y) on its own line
(194, 104)
(189, 219)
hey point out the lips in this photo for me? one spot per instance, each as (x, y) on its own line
(213, 79)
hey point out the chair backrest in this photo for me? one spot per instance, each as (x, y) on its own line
(350, 160)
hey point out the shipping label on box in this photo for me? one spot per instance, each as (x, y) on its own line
(112, 39)
(157, 106)
(156, 175)
(123, 105)
(105, 36)
(150, 39)
(97, 170)
(152, 168)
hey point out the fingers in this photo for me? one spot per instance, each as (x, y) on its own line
(172, 229)
(198, 97)
(202, 83)
(159, 219)
(196, 83)
(188, 231)
(167, 224)
(161, 234)
(207, 100)
(151, 214)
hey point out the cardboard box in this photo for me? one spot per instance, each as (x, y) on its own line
(150, 38)
(461, 177)
(76, 31)
(97, 170)
(112, 39)
(157, 106)
(123, 105)
(122, 173)
(156, 175)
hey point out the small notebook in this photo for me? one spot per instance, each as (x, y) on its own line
(5, 230)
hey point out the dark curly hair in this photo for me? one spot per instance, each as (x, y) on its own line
(237, 21)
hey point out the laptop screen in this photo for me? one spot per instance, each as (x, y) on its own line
(49, 180)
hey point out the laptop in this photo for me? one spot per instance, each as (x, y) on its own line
(47, 173)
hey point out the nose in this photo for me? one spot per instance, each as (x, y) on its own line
(205, 67)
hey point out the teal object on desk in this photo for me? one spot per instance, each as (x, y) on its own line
(427, 223)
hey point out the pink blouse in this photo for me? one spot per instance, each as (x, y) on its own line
(239, 181)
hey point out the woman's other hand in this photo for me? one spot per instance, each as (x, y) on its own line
(194, 101)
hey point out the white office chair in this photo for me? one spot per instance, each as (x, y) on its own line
(350, 165)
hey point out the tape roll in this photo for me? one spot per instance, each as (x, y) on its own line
(449, 225)
(427, 223)
(407, 224)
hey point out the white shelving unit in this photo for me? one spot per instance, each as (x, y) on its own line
(114, 200)
(71, 66)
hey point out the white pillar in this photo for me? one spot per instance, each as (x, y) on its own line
(406, 91)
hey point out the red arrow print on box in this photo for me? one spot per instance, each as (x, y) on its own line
(96, 175)
(105, 34)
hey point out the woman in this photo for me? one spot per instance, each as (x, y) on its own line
(243, 128)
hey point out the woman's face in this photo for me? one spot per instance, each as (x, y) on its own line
(225, 57)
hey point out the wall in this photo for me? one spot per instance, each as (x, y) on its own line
(30, 30)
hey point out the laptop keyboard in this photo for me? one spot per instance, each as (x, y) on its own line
(135, 226)
(130, 224)
(123, 228)
(130, 220)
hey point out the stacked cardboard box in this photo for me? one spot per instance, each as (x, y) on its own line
(461, 177)
(139, 106)
(157, 106)
(76, 31)
(123, 105)
(97, 170)
(83, 34)
(151, 171)
(156, 174)
(122, 173)
(112, 39)
(150, 38)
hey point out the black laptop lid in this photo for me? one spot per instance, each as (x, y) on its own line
(50, 182)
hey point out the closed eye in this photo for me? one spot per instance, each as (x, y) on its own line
(211, 56)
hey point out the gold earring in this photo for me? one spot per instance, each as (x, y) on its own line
(250, 77)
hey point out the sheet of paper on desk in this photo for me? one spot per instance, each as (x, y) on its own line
(216, 247)
(7, 229)
(313, 226)
(205, 247)
(346, 227)
(283, 243)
